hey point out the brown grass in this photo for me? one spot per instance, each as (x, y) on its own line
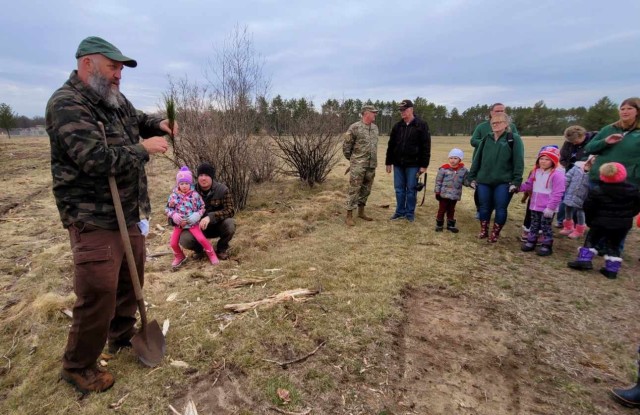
(414, 321)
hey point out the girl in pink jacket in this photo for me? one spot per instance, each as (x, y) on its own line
(546, 184)
(185, 208)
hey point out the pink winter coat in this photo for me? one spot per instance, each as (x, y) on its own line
(546, 187)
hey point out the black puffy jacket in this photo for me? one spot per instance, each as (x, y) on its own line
(612, 205)
(409, 144)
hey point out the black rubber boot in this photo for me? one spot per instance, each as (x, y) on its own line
(629, 397)
(451, 226)
(439, 225)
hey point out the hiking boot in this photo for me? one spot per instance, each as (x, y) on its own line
(627, 397)
(362, 215)
(223, 255)
(410, 218)
(567, 227)
(611, 267)
(451, 226)
(583, 262)
(91, 379)
(439, 225)
(349, 219)
(396, 216)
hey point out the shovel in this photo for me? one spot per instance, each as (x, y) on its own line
(149, 342)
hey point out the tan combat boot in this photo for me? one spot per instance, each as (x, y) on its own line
(362, 215)
(349, 220)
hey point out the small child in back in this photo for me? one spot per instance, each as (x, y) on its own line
(448, 189)
(609, 210)
(184, 208)
(546, 184)
(577, 189)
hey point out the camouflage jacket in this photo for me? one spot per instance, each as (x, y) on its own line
(360, 144)
(81, 162)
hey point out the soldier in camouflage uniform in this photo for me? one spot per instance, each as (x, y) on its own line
(360, 147)
(81, 162)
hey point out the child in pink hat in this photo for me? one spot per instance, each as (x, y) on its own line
(609, 210)
(546, 184)
(184, 209)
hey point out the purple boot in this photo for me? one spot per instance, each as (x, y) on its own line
(583, 262)
(611, 267)
(530, 244)
(545, 248)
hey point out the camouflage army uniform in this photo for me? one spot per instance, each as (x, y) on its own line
(80, 164)
(361, 148)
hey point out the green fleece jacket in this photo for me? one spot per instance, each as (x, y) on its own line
(482, 130)
(496, 162)
(626, 152)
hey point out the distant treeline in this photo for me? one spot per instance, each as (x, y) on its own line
(537, 120)
(279, 113)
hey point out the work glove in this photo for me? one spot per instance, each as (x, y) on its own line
(438, 197)
(143, 225)
(176, 218)
(473, 184)
(194, 218)
(548, 213)
(513, 188)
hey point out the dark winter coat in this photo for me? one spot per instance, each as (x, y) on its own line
(570, 153)
(612, 205)
(409, 144)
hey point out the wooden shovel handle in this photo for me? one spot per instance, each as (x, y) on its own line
(124, 234)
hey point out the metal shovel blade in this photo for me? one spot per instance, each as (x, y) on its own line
(149, 344)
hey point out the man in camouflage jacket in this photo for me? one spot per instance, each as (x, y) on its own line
(360, 147)
(87, 109)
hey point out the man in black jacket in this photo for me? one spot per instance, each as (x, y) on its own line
(408, 153)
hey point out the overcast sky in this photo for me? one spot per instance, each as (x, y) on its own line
(452, 52)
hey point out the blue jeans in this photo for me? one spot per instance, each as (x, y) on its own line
(405, 180)
(494, 197)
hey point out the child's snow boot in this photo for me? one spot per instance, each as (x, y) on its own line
(439, 225)
(451, 226)
(213, 258)
(567, 227)
(611, 267)
(583, 261)
(578, 232)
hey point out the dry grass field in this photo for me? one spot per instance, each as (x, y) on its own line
(406, 321)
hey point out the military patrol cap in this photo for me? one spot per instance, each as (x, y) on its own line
(369, 108)
(406, 103)
(94, 44)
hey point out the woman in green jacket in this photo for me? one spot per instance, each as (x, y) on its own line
(496, 172)
(619, 142)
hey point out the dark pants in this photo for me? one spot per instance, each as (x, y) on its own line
(106, 303)
(224, 230)
(447, 206)
(540, 223)
(609, 240)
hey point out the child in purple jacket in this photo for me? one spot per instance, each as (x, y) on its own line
(546, 184)
(185, 208)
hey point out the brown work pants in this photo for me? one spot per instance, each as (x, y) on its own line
(106, 303)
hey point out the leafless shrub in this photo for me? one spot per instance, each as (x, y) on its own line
(310, 150)
(217, 121)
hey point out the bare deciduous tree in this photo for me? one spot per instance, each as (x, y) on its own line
(310, 150)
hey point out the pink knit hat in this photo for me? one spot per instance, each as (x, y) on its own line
(613, 173)
(184, 175)
(552, 152)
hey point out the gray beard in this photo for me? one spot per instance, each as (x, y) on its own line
(105, 89)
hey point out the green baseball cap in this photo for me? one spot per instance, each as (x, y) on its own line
(94, 44)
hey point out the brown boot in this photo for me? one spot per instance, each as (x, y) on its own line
(495, 233)
(349, 220)
(91, 379)
(362, 215)
(484, 229)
